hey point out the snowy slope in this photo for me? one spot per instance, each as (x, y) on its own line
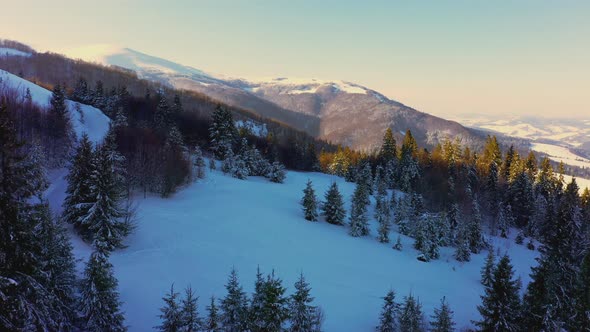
(89, 120)
(12, 52)
(561, 154)
(199, 234)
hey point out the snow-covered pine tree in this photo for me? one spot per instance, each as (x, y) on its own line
(411, 318)
(162, 119)
(388, 319)
(107, 219)
(79, 192)
(501, 308)
(383, 215)
(274, 304)
(98, 96)
(171, 313)
(476, 240)
(212, 166)
(120, 118)
(59, 127)
(309, 202)
(408, 167)
(333, 207)
(442, 320)
(36, 172)
(581, 321)
(303, 315)
(189, 310)
(391, 173)
(388, 150)
(255, 310)
(365, 179)
(222, 132)
(487, 270)
(199, 163)
(398, 244)
(276, 172)
(462, 251)
(99, 297)
(176, 106)
(359, 223)
(212, 321)
(234, 306)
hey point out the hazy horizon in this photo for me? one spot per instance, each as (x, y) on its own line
(448, 59)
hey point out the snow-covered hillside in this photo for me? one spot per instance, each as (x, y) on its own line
(198, 235)
(561, 154)
(12, 52)
(85, 118)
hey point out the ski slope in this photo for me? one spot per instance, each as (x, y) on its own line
(203, 231)
(89, 120)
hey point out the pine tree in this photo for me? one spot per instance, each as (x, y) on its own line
(212, 323)
(476, 240)
(177, 105)
(276, 172)
(388, 147)
(79, 195)
(191, 321)
(106, 218)
(383, 216)
(581, 321)
(162, 119)
(487, 270)
(408, 168)
(222, 132)
(411, 318)
(59, 126)
(398, 244)
(388, 320)
(199, 163)
(501, 308)
(100, 299)
(359, 223)
(442, 320)
(303, 315)
(309, 202)
(234, 306)
(274, 304)
(255, 321)
(333, 207)
(462, 252)
(172, 315)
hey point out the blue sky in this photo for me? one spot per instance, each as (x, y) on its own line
(441, 57)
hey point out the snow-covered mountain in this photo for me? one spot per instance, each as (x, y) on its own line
(566, 140)
(337, 111)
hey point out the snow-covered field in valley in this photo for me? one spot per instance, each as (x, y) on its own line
(561, 154)
(199, 234)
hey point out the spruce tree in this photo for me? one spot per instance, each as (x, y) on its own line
(411, 318)
(388, 147)
(274, 304)
(212, 321)
(100, 299)
(581, 321)
(171, 313)
(501, 308)
(189, 311)
(442, 320)
(234, 306)
(309, 203)
(303, 315)
(333, 207)
(359, 223)
(255, 321)
(488, 269)
(79, 192)
(222, 132)
(398, 244)
(388, 319)
(476, 240)
(107, 219)
(462, 252)
(276, 172)
(199, 163)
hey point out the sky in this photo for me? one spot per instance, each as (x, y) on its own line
(448, 58)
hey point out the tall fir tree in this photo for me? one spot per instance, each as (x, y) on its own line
(234, 306)
(171, 313)
(274, 304)
(333, 207)
(388, 147)
(581, 321)
(411, 318)
(359, 223)
(212, 321)
(390, 311)
(442, 320)
(487, 270)
(309, 202)
(189, 311)
(100, 305)
(501, 308)
(222, 132)
(303, 315)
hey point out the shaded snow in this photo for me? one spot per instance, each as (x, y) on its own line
(561, 154)
(12, 52)
(196, 236)
(89, 120)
